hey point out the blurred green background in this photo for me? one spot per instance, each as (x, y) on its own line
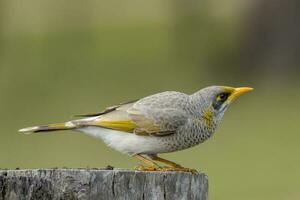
(59, 58)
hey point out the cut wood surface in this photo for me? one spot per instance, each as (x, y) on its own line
(101, 184)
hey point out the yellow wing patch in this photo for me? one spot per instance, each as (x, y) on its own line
(126, 120)
(127, 126)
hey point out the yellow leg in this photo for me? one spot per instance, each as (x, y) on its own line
(165, 161)
(152, 166)
(172, 165)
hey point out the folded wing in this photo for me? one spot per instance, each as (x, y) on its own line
(132, 119)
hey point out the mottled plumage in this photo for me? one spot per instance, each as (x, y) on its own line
(160, 123)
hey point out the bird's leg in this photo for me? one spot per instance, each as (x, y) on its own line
(152, 166)
(172, 166)
(165, 161)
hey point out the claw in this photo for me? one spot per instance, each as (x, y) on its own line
(179, 169)
(147, 168)
(165, 169)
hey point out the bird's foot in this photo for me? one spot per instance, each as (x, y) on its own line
(178, 169)
(165, 169)
(148, 168)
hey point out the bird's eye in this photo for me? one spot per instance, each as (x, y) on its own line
(220, 99)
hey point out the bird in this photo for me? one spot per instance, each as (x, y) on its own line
(160, 123)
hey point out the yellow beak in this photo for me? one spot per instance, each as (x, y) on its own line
(237, 92)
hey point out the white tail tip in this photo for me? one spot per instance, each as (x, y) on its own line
(29, 130)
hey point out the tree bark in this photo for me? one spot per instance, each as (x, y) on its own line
(101, 184)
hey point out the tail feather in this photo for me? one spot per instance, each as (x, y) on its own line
(49, 127)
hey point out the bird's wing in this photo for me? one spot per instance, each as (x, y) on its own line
(132, 120)
(160, 122)
(144, 118)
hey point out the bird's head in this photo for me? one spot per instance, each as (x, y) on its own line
(214, 100)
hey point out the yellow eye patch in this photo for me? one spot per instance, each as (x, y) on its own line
(219, 98)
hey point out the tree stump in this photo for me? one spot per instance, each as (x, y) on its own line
(101, 184)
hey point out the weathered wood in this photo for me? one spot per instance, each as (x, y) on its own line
(44, 184)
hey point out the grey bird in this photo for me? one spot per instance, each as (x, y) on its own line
(161, 123)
